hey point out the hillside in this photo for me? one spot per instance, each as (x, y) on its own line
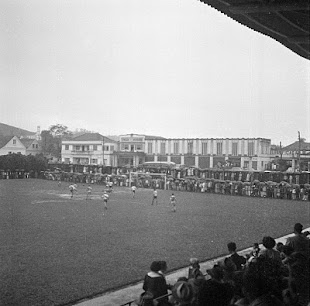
(8, 130)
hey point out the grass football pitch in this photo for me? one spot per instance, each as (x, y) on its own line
(56, 250)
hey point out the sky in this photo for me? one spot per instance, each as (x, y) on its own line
(171, 68)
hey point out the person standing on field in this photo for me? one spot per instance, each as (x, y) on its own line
(173, 202)
(88, 194)
(105, 197)
(72, 188)
(155, 196)
(133, 190)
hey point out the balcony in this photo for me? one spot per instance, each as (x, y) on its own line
(79, 152)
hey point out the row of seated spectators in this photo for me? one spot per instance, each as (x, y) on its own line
(275, 275)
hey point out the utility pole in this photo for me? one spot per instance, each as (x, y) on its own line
(298, 151)
(281, 153)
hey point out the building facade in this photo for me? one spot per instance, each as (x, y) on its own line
(24, 146)
(88, 149)
(134, 149)
(250, 153)
(296, 156)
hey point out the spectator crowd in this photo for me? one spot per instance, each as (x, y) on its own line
(270, 275)
(268, 189)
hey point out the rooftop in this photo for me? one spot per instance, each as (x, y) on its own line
(305, 146)
(286, 21)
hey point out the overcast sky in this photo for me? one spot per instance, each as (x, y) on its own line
(172, 68)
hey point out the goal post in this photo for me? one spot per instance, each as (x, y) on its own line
(131, 174)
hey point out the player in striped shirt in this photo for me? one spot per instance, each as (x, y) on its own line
(88, 192)
(173, 202)
(105, 197)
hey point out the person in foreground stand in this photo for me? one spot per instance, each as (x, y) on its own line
(299, 242)
(214, 291)
(155, 283)
(262, 283)
(238, 260)
(194, 269)
(269, 243)
(182, 294)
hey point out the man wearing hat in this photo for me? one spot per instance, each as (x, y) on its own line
(182, 294)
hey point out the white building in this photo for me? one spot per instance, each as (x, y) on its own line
(88, 149)
(246, 153)
(24, 146)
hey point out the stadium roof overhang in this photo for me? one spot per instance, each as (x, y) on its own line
(287, 21)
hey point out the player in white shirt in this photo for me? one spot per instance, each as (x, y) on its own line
(155, 196)
(110, 186)
(173, 202)
(105, 197)
(133, 189)
(88, 192)
(72, 188)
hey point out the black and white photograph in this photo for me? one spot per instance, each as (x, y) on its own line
(154, 152)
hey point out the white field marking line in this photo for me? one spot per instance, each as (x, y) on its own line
(136, 202)
(118, 191)
(46, 201)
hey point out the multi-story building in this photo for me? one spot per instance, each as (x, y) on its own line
(250, 153)
(134, 149)
(88, 149)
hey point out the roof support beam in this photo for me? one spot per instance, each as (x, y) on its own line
(259, 8)
(299, 39)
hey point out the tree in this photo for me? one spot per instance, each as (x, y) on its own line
(15, 161)
(51, 139)
(50, 144)
(60, 130)
(36, 162)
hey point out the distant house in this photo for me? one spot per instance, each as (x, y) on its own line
(297, 155)
(24, 146)
(294, 148)
(88, 149)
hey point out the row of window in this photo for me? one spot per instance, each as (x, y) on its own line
(204, 148)
(89, 147)
(175, 148)
(81, 160)
(131, 147)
